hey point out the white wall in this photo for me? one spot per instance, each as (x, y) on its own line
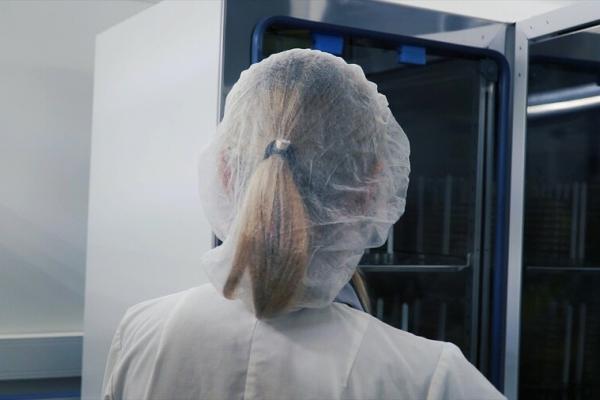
(155, 105)
(46, 77)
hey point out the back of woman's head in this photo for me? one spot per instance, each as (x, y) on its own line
(309, 167)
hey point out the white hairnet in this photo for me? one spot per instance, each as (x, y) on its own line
(350, 163)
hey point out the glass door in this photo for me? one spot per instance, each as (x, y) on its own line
(426, 278)
(561, 254)
(432, 276)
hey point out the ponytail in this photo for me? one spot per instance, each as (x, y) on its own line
(273, 240)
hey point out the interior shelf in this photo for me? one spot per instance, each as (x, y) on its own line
(413, 268)
(561, 269)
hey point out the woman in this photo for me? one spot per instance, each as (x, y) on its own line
(308, 169)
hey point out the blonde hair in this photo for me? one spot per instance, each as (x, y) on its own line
(274, 241)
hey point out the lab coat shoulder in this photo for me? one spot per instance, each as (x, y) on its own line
(135, 332)
(159, 342)
(456, 378)
(415, 367)
(392, 363)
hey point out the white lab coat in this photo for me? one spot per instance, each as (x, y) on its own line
(196, 344)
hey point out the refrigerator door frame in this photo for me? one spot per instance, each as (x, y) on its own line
(541, 27)
(455, 31)
(241, 18)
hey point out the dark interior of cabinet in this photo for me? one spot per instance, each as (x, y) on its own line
(560, 339)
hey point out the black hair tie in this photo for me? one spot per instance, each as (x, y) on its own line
(281, 147)
(287, 151)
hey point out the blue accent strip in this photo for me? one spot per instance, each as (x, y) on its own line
(41, 396)
(412, 55)
(499, 272)
(336, 30)
(329, 43)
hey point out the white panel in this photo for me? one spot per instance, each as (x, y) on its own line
(155, 105)
(46, 77)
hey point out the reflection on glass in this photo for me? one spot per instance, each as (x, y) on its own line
(561, 345)
(561, 257)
